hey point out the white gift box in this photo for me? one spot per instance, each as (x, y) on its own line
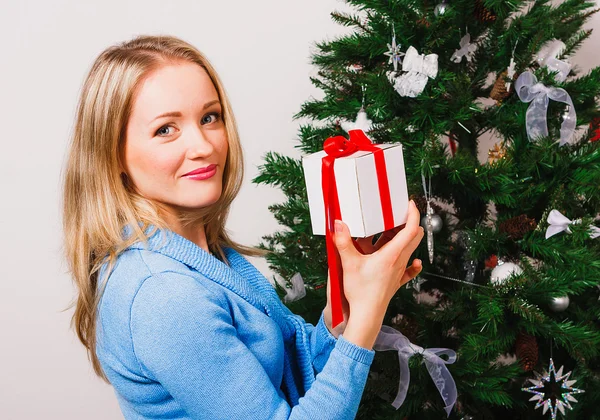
(358, 190)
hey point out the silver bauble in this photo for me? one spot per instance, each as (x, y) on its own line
(559, 304)
(440, 9)
(436, 222)
(503, 271)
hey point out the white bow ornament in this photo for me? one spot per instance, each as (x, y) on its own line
(529, 90)
(418, 68)
(559, 223)
(392, 339)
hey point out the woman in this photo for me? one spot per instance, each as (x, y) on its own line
(171, 313)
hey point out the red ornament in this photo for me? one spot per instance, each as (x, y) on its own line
(492, 261)
(595, 125)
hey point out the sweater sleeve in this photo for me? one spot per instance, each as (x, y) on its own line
(184, 338)
(321, 340)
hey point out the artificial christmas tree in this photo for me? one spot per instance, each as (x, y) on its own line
(508, 274)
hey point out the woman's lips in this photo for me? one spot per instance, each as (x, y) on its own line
(203, 175)
(201, 170)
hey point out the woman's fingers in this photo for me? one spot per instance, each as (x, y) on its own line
(411, 272)
(394, 248)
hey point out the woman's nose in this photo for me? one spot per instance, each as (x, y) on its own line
(198, 144)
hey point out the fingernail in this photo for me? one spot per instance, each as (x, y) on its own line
(412, 202)
(419, 261)
(338, 226)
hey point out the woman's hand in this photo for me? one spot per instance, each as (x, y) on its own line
(366, 246)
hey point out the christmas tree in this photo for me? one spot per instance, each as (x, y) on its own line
(511, 276)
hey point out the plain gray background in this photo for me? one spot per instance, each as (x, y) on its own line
(261, 50)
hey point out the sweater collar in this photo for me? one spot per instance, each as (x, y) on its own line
(241, 277)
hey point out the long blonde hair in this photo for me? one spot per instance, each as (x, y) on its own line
(98, 200)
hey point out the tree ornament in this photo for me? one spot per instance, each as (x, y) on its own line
(503, 271)
(496, 153)
(469, 265)
(530, 90)
(429, 219)
(416, 283)
(441, 8)
(547, 57)
(362, 121)
(354, 68)
(526, 349)
(482, 13)
(418, 68)
(516, 227)
(394, 52)
(499, 91)
(553, 391)
(510, 71)
(558, 223)
(595, 127)
(466, 50)
(491, 262)
(559, 304)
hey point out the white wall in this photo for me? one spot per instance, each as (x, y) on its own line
(261, 50)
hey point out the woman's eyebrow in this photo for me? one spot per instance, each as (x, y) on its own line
(178, 114)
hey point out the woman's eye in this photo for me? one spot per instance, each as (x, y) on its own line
(213, 114)
(158, 132)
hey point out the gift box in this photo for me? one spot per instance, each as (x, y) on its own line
(359, 184)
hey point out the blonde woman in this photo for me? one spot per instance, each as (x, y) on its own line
(170, 311)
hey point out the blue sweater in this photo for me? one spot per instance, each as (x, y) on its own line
(182, 335)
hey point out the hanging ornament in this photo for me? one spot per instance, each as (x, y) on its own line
(469, 265)
(510, 71)
(595, 127)
(526, 349)
(394, 52)
(482, 13)
(516, 227)
(430, 222)
(466, 50)
(418, 68)
(496, 153)
(503, 271)
(547, 56)
(529, 90)
(441, 8)
(559, 304)
(416, 283)
(297, 291)
(491, 262)
(362, 121)
(553, 391)
(452, 142)
(499, 91)
(558, 223)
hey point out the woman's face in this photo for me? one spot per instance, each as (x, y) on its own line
(160, 149)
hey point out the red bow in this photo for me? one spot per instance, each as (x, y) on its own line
(336, 147)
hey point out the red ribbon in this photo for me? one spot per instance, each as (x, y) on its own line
(336, 147)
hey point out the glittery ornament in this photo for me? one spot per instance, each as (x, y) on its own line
(434, 219)
(394, 53)
(503, 271)
(559, 304)
(496, 153)
(553, 391)
(416, 283)
(362, 122)
(526, 349)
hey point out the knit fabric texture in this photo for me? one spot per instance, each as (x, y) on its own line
(183, 335)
